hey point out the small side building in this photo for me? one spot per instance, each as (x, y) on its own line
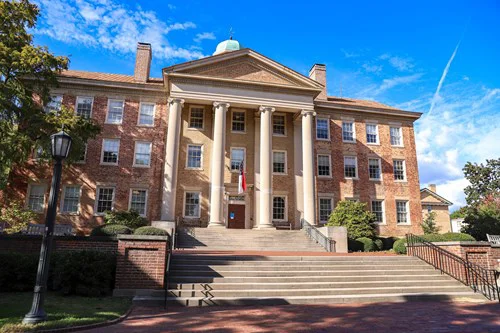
(433, 202)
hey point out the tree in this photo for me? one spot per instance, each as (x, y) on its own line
(485, 219)
(429, 224)
(459, 213)
(27, 75)
(484, 181)
(355, 217)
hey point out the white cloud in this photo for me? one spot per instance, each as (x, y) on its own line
(396, 81)
(453, 190)
(171, 6)
(400, 63)
(111, 25)
(204, 35)
(372, 68)
(348, 54)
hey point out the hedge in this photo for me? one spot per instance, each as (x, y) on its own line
(150, 231)
(87, 273)
(130, 219)
(368, 244)
(110, 230)
(400, 244)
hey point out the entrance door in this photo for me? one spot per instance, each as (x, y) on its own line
(236, 216)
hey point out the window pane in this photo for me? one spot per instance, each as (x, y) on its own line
(146, 116)
(196, 119)
(347, 131)
(278, 208)
(323, 165)
(237, 156)
(71, 199)
(402, 211)
(371, 133)
(142, 153)
(279, 125)
(238, 124)
(374, 168)
(350, 167)
(138, 201)
(325, 209)
(115, 112)
(84, 106)
(378, 210)
(192, 208)
(54, 105)
(194, 157)
(111, 149)
(36, 200)
(322, 128)
(395, 136)
(105, 199)
(279, 162)
(399, 170)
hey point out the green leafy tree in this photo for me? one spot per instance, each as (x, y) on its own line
(484, 181)
(459, 213)
(429, 225)
(27, 74)
(355, 217)
(16, 217)
(485, 219)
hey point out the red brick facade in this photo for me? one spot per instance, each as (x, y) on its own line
(32, 244)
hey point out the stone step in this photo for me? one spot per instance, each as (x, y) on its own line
(291, 267)
(179, 261)
(185, 255)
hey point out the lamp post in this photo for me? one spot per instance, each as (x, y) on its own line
(60, 146)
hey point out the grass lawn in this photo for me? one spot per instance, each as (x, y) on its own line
(62, 311)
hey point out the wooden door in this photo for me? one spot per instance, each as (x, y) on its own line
(236, 216)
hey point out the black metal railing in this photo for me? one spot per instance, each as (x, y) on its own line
(480, 279)
(317, 236)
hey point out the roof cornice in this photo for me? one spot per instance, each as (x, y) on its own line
(437, 196)
(111, 84)
(368, 109)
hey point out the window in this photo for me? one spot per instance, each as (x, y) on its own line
(396, 136)
(279, 125)
(194, 156)
(110, 151)
(38, 153)
(147, 114)
(115, 111)
(138, 200)
(322, 129)
(378, 210)
(238, 124)
(279, 208)
(142, 155)
(325, 209)
(279, 162)
(348, 131)
(371, 133)
(399, 170)
(192, 204)
(84, 106)
(350, 167)
(429, 209)
(196, 117)
(374, 168)
(105, 199)
(237, 156)
(83, 155)
(70, 199)
(54, 105)
(402, 211)
(324, 165)
(36, 197)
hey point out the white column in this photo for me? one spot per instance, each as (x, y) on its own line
(217, 165)
(308, 166)
(171, 159)
(266, 172)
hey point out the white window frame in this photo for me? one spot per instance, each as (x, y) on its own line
(102, 152)
(150, 153)
(357, 169)
(145, 202)
(286, 163)
(327, 128)
(233, 111)
(400, 129)
(57, 110)
(383, 222)
(286, 208)
(28, 195)
(407, 202)
(353, 131)
(379, 166)
(96, 200)
(139, 115)
(377, 142)
(91, 104)
(231, 158)
(108, 108)
(63, 197)
(199, 204)
(329, 166)
(272, 124)
(319, 207)
(191, 107)
(201, 157)
(404, 170)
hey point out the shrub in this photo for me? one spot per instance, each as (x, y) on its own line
(355, 217)
(110, 230)
(400, 246)
(379, 244)
(18, 271)
(429, 225)
(147, 230)
(17, 217)
(447, 237)
(368, 244)
(131, 219)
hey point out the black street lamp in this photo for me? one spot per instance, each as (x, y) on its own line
(60, 146)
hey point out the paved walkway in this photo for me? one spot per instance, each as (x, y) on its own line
(428, 317)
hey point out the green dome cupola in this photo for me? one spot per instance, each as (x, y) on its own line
(228, 46)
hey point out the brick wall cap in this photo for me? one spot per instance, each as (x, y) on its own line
(69, 238)
(465, 243)
(143, 237)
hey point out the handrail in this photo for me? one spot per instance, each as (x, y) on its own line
(327, 242)
(171, 246)
(478, 278)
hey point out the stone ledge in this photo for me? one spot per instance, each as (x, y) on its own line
(465, 243)
(143, 238)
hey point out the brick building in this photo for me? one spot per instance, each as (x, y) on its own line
(171, 147)
(433, 202)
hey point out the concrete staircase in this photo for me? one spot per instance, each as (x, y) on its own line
(222, 239)
(211, 279)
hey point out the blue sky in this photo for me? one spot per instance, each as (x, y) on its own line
(436, 57)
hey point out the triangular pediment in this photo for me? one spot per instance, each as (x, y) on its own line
(244, 65)
(428, 196)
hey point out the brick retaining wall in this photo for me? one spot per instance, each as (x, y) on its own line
(32, 244)
(484, 254)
